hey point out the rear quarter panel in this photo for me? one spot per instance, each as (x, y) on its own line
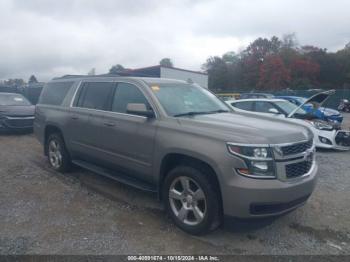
(52, 115)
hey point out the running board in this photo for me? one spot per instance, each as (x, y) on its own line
(122, 178)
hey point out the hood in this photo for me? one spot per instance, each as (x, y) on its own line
(246, 128)
(17, 110)
(317, 99)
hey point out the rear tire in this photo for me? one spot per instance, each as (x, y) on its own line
(57, 153)
(191, 200)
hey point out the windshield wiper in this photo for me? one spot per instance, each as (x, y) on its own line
(192, 113)
(218, 111)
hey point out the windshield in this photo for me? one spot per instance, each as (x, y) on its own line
(13, 100)
(186, 99)
(288, 108)
(301, 100)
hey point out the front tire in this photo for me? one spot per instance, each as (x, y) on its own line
(57, 153)
(191, 200)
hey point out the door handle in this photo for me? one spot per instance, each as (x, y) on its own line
(109, 124)
(74, 117)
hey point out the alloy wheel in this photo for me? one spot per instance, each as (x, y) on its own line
(187, 201)
(55, 154)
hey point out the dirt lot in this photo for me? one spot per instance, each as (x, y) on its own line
(43, 212)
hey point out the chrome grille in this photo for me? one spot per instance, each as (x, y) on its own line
(298, 169)
(296, 148)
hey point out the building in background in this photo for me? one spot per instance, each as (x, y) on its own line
(160, 72)
(173, 73)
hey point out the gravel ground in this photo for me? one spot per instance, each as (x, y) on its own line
(43, 212)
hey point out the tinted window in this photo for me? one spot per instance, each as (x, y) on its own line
(293, 101)
(54, 93)
(125, 94)
(244, 105)
(263, 107)
(95, 95)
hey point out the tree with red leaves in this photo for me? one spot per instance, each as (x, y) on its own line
(305, 70)
(274, 64)
(273, 74)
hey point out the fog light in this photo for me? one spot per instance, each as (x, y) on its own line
(243, 171)
(324, 140)
(260, 165)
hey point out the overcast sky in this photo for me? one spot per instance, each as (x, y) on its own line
(51, 38)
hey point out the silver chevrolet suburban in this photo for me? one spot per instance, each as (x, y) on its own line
(179, 140)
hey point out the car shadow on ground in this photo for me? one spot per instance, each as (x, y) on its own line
(331, 151)
(146, 201)
(140, 200)
(16, 132)
(236, 225)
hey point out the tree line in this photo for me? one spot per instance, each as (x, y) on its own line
(265, 64)
(18, 82)
(276, 64)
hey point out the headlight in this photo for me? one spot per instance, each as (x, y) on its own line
(258, 159)
(326, 113)
(322, 125)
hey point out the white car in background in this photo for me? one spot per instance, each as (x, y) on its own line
(326, 135)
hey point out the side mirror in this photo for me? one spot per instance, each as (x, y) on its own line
(139, 109)
(273, 111)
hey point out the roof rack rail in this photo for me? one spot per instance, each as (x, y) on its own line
(80, 76)
(130, 73)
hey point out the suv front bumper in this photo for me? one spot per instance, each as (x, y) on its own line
(16, 122)
(245, 197)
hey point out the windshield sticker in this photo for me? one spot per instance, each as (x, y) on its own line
(155, 88)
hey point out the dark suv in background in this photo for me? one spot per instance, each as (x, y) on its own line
(180, 141)
(16, 113)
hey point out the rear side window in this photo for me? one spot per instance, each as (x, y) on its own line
(244, 105)
(95, 95)
(263, 107)
(54, 93)
(125, 94)
(295, 102)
